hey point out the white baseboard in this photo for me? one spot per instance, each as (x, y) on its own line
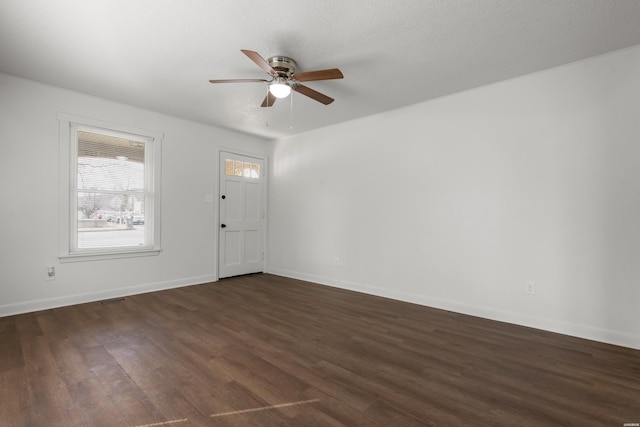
(550, 325)
(47, 303)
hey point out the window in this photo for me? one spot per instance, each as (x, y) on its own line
(111, 181)
(240, 168)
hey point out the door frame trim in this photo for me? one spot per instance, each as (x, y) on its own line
(263, 203)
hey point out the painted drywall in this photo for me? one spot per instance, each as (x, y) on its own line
(29, 189)
(456, 203)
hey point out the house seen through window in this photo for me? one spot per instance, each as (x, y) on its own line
(110, 191)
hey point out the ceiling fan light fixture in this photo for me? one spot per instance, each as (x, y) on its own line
(279, 88)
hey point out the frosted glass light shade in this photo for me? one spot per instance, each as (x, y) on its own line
(279, 90)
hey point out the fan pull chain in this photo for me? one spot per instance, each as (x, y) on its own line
(267, 112)
(291, 113)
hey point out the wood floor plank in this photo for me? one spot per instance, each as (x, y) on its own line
(271, 351)
(50, 402)
(11, 356)
(14, 400)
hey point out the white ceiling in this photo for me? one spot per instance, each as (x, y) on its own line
(160, 54)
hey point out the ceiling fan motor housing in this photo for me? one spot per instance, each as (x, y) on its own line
(283, 65)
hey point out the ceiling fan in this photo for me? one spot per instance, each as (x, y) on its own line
(284, 78)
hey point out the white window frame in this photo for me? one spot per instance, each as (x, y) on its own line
(68, 212)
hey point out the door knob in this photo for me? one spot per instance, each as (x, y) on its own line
(223, 225)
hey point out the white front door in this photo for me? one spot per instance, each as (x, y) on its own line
(242, 215)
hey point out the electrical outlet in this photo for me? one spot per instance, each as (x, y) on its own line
(530, 287)
(50, 273)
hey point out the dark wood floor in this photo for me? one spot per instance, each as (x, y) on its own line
(263, 350)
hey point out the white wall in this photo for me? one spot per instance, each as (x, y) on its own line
(456, 202)
(29, 191)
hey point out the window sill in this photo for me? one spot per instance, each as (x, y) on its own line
(98, 256)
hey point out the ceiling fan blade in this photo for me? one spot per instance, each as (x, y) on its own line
(313, 94)
(329, 74)
(260, 61)
(268, 100)
(238, 81)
